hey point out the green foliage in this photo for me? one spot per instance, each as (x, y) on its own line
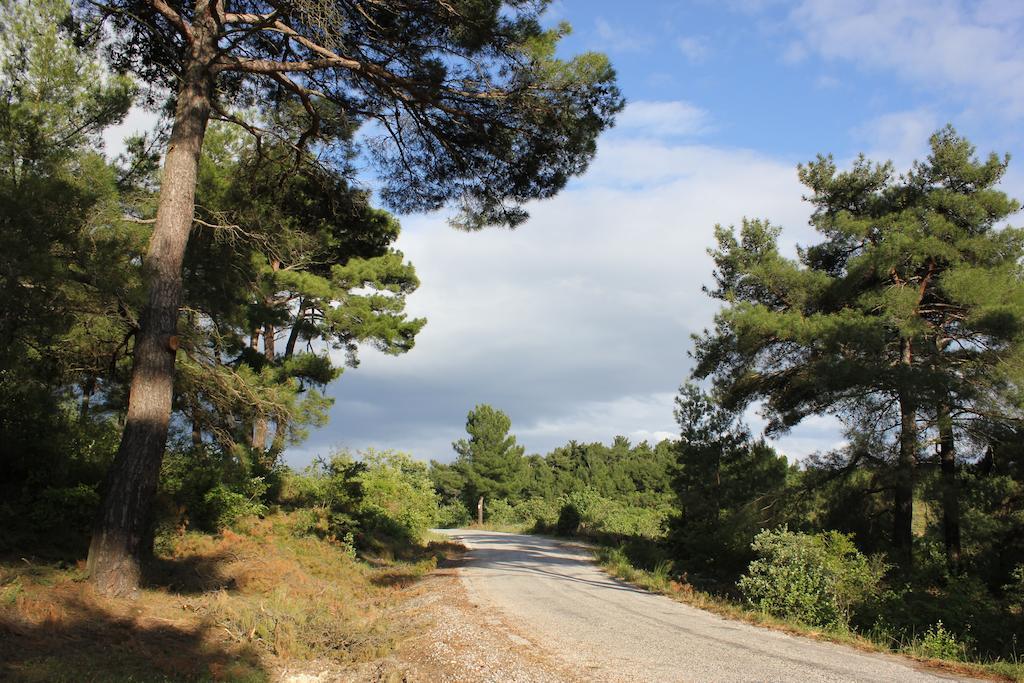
(398, 497)
(585, 512)
(310, 257)
(224, 505)
(537, 513)
(1014, 590)
(67, 285)
(909, 314)
(728, 488)
(209, 489)
(453, 515)
(490, 461)
(72, 508)
(375, 497)
(500, 512)
(938, 643)
(818, 579)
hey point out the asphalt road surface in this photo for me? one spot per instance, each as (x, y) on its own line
(558, 600)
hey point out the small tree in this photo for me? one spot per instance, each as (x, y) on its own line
(490, 460)
(726, 484)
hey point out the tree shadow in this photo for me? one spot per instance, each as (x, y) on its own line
(192, 575)
(71, 639)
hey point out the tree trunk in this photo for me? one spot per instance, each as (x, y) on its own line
(903, 517)
(88, 389)
(950, 487)
(261, 429)
(293, 336)
(121, 535)
(480, 511)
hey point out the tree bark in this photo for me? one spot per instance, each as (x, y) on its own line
(261, 429)
(293, 336)
(903, 517)
(88, 389)
(121, 534)
(950, 487)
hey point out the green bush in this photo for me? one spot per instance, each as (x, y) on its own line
(939, 643)
(224, 505)
(1014, 591)
(65, 508)
(398, 497)
(818, 579)
(452, 515)
(538, 513)
(585, 512)
(500, 512)
(577, 511)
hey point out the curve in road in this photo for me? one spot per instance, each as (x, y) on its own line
(611, 631)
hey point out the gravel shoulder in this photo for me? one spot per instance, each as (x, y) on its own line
(543, 609)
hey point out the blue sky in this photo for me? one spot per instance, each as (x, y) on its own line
(577, 324)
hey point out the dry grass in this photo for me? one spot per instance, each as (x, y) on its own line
(239, 606)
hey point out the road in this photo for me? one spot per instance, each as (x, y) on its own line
(557, 599)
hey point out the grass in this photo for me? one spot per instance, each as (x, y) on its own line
(238, 606)
(935, 647)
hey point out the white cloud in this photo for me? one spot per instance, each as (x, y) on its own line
(636, 417)
(794, 53)
(963, 48)
(815, 434)
(901, 137)
(618, 39)
(663, 118)
(694, 48)
(826, 82)
(578, 323)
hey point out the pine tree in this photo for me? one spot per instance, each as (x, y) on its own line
(725, 483)
(908, 313)
(490, 460)
(469, 104)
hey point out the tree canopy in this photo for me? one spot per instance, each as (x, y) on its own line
(460, 102)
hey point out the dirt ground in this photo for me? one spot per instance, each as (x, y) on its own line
(446, 639)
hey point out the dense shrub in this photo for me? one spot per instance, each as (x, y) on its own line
(537, 513)
(452, 515)
(500, 512)
(398, 497)
(208, 488)
(814, 578)
(585, 512)
(223, 505)
(382, 494)
(70, 508)
(577, 511)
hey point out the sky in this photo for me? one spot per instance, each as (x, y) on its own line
(577, 324)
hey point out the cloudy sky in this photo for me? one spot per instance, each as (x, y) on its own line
(578, 323)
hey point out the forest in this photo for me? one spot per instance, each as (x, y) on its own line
(171, 320)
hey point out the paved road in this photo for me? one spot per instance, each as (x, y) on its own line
(560, 601)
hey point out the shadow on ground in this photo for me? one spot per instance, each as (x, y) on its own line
(70, 635)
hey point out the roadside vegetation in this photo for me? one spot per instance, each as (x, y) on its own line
(170, 321)
(241, 587)
(906, 322)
